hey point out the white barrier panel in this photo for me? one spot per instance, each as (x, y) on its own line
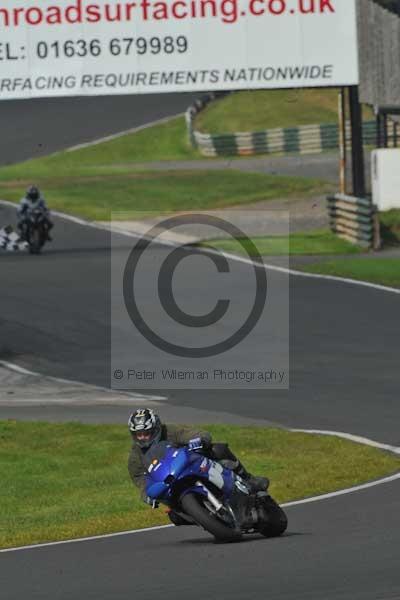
(385, 172)
(89, 47)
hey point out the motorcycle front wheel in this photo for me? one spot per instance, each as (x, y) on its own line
(192, 504)
(35, 240)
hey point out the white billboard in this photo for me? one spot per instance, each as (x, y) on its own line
(89, 47)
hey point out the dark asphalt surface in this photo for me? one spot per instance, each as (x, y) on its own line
(54, 314)
(33, 128)
(343, 348)
(345, 548)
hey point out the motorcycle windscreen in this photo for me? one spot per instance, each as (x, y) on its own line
(165, 460)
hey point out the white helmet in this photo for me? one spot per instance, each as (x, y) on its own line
(145, 420)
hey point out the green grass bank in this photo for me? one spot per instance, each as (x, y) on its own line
(383, 271)
(308, 243)
(390, 226)
(111, 176)
(166, 141)
(269, 109)
(96, 196)
(61, 481)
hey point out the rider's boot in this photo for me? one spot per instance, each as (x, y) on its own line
(225, 456)
(257, 484)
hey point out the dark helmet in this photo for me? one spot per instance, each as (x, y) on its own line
(33, 193)
(145, 427)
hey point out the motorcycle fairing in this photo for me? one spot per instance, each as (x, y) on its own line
(178, 464)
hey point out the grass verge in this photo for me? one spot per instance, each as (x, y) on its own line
(308, 243)
(390, 226)
(60, 481)
(93, 181)
(168, 141)
(258, 110)
(95, 196)
(384, 271)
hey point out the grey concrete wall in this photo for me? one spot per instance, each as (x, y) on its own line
(379, 52)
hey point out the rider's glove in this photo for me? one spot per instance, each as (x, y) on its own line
(152, 503)
(195, 444)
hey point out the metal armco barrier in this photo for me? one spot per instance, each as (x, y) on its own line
(306, 139)
(354, 219)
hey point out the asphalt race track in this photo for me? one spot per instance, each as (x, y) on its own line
(344, 376)
(344, 548)
(33, 128)
(343, 347)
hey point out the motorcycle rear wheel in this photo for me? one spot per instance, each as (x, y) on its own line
(277, 520)
(193, 506)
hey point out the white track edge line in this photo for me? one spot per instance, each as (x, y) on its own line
(229, 255)
(351, 437)
(296, 273)
(356, 488)
(327, 496)
(110, 137)
(114, 136)
(18, 369)
(85, 539)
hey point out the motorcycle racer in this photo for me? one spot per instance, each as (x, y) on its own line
(33, 200)
(147, 429)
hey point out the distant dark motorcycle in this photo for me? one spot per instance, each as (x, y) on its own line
(35, 230)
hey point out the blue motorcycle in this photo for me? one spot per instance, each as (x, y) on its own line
(200, 491)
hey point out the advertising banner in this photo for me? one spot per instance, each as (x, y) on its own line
(89, 47)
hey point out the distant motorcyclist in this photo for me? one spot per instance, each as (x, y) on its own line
(147, 429)
(33, 200)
